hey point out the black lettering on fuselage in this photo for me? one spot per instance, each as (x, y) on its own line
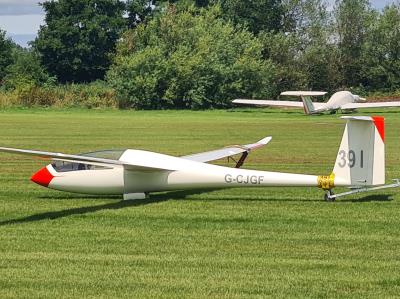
(241, 179)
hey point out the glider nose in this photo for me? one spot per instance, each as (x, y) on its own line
(43, 177)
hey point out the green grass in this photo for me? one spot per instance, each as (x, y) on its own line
(234, 243)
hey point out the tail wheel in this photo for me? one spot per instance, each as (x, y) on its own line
(328, 195)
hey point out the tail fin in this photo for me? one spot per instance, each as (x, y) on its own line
(361, 157)
(308, 104)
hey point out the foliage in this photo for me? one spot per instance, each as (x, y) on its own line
(91, 95)
(94, 95)
(283, 50)
(381, 53)
(138, 11)
(26, 70)
(256, 15)
(201, 54)
(352, 19)
(79, 36)
(304, 55)
(189, 59)
(6, 59)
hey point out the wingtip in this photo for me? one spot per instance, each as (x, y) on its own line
(265, 140)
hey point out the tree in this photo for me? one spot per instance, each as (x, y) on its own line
(304, 55)
(139, 11)
(353, 18)
(189, 59)
(256, 15)
(319, 55)
(381, 53)
(79, 36)
(283, 50)
(26, 70)
(6, 46)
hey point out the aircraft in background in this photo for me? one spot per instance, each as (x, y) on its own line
(342, 100)
(360, 164)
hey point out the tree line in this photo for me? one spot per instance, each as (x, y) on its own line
(199, 54)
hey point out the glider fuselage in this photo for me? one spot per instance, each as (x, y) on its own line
(186, 175)
(337, 101)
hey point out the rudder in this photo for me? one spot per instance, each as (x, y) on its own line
(308, 105)
(361, 157)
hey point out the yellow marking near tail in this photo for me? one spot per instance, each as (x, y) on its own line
(326, 182)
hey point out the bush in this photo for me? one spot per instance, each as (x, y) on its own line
(189, 59)
(94, 95)
(26, 71)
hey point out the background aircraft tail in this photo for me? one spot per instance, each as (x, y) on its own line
(361, 157)
(308, 104)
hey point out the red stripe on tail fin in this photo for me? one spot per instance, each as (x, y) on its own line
(379, 122)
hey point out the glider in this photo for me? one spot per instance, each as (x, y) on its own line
(360, 165)
(342, 100)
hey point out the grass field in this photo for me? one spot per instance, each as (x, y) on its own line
(235, 243)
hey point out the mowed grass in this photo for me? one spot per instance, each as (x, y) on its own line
(234, 243)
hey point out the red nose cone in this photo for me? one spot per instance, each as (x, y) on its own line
(42, 177)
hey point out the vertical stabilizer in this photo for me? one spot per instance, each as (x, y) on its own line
(308, 104)
(361, 157)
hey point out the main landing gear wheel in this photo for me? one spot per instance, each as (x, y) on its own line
(328, 195)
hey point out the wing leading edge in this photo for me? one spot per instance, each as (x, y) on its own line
(370, 105)
(83, 159)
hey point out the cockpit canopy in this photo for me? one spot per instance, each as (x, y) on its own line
(65, 166)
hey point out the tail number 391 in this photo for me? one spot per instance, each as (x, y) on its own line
(351, 159)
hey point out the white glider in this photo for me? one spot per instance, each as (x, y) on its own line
(342, 100)
(360, 164)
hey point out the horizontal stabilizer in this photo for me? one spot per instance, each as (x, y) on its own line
(304, 93)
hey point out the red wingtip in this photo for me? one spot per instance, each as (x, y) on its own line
(43, 177)
(379, 122)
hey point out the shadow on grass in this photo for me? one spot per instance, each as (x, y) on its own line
(156, 198)
(369, 198)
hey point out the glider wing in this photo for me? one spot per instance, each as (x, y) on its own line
(290, 104)
(370, 105)
(269, 103)
(226, 152)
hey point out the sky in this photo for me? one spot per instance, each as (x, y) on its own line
(21, 19)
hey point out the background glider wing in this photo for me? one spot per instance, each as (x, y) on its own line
(370, 105)
(290, 104)
(226, 152)
(269, 103)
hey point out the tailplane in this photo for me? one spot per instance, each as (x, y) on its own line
(361, 157)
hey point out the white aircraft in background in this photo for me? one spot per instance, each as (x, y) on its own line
(342, 100)
(360, 164)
